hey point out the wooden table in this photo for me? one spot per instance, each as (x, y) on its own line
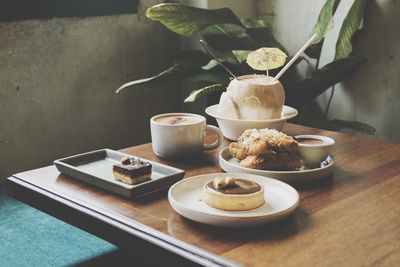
(349, 219)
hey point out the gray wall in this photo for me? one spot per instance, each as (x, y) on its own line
(372, 95)
(57, 82)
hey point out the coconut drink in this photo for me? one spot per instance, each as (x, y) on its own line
(254, 100)
(252, 97)
(255, 97)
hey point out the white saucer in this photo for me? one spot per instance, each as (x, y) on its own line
(229, 164)
(280, 200)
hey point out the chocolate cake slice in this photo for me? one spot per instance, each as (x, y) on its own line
(132, 171)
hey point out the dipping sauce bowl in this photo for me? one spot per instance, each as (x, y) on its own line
(314, 148)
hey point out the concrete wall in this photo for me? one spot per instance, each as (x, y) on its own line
(372, 95)
(57, 82)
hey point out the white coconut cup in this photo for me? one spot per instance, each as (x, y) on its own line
(234, 128)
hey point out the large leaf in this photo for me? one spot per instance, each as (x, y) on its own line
(263, 37)
(250, 23)
(241, 55)
(211, 64)
(181, 69)
(321, 27)
(325, 20)
(196, 94)
(222, 58)
(214, 76)
(225, 38)
(351, 24)
(194, 57)
(332, 73)
(340, 125)
(186, 20)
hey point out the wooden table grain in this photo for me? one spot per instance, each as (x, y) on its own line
(351, 218)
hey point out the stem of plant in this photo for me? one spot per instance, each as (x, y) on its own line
(317, 64)
(328, 105)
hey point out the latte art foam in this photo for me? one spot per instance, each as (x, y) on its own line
(178, 120)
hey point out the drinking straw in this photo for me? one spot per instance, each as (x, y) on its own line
(294, 58)
(215, 57)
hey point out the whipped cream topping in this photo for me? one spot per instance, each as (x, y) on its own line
(252, 134)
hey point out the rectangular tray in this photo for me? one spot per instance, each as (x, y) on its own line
(95, 168)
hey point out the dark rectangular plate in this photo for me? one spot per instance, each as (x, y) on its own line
(95, 168)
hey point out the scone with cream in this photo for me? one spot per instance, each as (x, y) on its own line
(266, 149)
(233, 194)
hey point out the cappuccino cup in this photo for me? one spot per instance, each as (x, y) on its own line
(175, 135)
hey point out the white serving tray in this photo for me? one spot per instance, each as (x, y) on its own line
(95, 168)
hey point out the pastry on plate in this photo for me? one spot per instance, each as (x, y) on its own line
(233, 194)
(132, 171)
(266, 149)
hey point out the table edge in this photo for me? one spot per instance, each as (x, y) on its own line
(129, 226)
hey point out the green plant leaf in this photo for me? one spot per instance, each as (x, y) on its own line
(241, 55)
(321, 27)
(210, 65)
(225, 38)
(263, 37)
(186, 20)
(209, 77)
(182, 69)
(351, 24)
(322, 79)
(254, 23)
(337, 125)
(260, 31)
(196, 94)
(225, 58)
(194, 57)
(325, 20)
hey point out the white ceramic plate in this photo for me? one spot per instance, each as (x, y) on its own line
(280, 200)
(229, 164)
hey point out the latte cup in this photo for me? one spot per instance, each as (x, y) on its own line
(176, 135)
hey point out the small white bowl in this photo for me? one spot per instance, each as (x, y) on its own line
(234, 128)
(314, 148)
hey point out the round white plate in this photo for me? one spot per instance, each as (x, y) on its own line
(185, 198)
(229, 164)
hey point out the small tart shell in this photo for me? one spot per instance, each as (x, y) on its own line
(233, 202)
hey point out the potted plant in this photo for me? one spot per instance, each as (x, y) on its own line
(232, 39)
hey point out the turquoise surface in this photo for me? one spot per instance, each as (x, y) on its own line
(29, 237)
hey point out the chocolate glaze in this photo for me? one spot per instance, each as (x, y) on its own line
(132, 167)
(236, 189)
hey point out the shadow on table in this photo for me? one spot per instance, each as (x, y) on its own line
(281, 229)
(285, 228)
(324, 182)
(136, 257)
